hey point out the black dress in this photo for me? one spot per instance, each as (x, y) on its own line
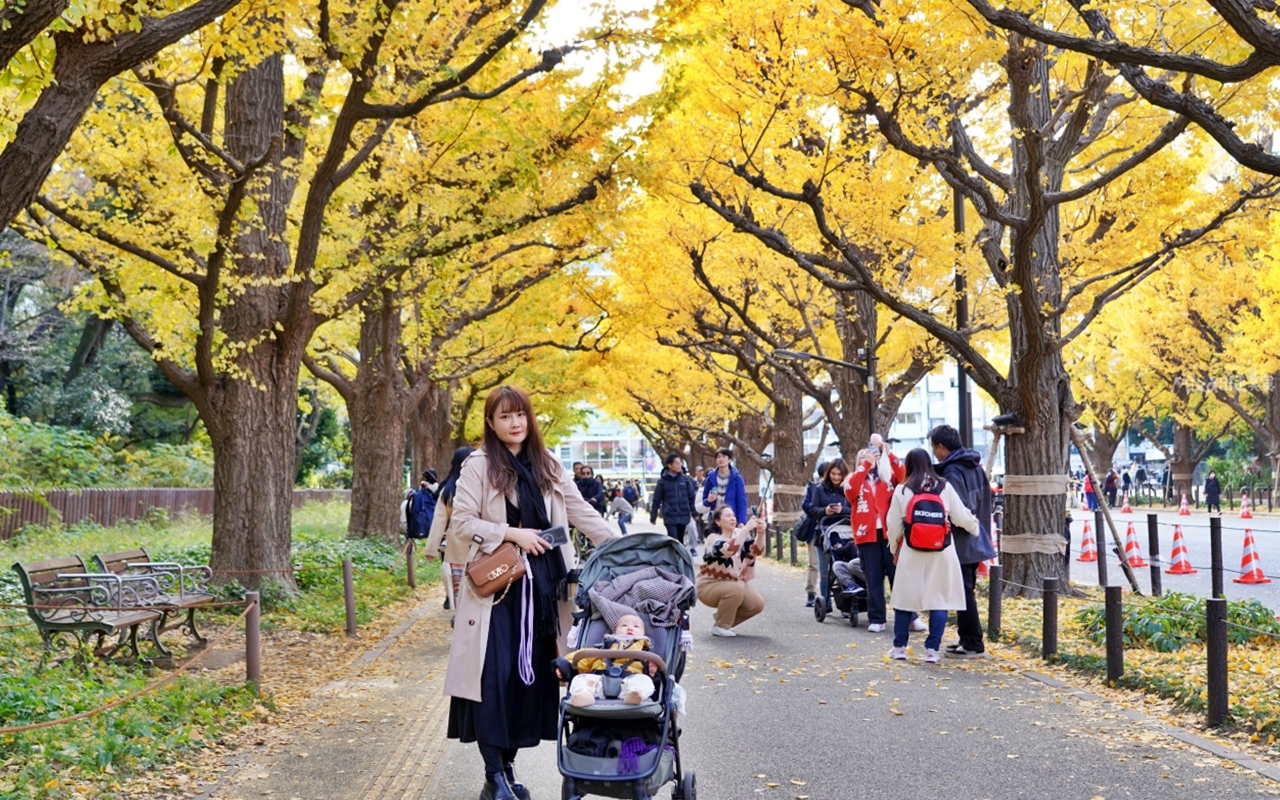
(510, 715)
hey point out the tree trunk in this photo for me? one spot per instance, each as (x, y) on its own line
(1104, 448)
(252, 434)
(702, 455)
(754, 430)
(1182, 464)
(790, 474)
(1042, 450)
(250, 415)
(377, 411)
(431, 431)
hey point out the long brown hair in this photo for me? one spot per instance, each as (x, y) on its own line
(546, 469)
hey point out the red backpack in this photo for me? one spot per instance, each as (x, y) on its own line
(926, 522)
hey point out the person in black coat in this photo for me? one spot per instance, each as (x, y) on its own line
(1212, 493)
(674, 497)
(961, 467)
(591, 489)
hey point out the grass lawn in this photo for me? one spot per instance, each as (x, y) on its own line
(96, 756)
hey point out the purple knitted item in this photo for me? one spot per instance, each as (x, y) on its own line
(629, 755)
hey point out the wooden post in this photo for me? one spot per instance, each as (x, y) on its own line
(1049, 627)
(408, 565)
(1216, 650)
(1115, 634)
(1153, 544)
(995, 591)
(1215, 554)
(253, 641)
(795, 557)
(349, 591)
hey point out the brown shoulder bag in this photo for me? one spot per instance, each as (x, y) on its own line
(497, 571)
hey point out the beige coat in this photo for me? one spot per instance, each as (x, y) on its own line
(927, 581)
(479, 524)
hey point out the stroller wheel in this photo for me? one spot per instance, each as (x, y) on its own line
(853, 618)
(820, 609)
(689, 787)
(568, 790)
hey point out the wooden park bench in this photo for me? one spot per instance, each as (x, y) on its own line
(65, 599)
(182, 587)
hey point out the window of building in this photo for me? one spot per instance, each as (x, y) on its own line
(909, 418)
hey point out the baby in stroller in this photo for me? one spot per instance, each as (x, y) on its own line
(844, 586)
(636, 687)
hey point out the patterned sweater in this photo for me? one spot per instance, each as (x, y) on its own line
(728, 558)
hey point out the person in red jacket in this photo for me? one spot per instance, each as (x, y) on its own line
(869, 489)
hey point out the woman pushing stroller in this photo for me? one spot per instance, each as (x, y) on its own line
(828, 506)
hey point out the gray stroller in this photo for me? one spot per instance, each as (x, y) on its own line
(597, 747)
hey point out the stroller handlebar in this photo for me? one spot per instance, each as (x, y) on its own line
(609, 656)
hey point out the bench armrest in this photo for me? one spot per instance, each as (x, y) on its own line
(122, 590)
(190, 578)
(69, 603)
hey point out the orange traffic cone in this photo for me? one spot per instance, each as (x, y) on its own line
(1084, 502)
(1245, 513)
(1181, 564)
(1250, 563)
(1133, 550)
(1126, 509)
(1088, 545)
(1184, 510)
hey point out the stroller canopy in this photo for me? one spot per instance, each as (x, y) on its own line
(629, 553)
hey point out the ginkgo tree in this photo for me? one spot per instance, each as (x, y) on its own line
(1081, 195)
(233, 195)
(54, 58)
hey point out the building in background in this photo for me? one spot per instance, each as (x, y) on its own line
(616, 450)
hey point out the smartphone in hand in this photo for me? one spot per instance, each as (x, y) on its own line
(555, 536)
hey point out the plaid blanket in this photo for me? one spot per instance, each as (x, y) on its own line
(655, 591)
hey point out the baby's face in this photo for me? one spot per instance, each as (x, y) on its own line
(629, 625)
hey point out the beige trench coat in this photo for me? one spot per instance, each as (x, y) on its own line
(479, 523)
(927, 581)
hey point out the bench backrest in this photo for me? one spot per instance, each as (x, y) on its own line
(119, 562)
(45, 575)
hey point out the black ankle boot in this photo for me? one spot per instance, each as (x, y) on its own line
(518, 789)
(497, 787)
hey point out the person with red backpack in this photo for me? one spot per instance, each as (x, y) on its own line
(923, 509)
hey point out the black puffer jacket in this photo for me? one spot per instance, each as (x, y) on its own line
(674, 497)
(963, 470)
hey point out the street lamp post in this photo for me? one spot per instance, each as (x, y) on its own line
(868, 371)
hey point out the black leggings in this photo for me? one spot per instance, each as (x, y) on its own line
(496, 759)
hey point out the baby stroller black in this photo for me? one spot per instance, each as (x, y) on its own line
(610, 748)
(837, 547)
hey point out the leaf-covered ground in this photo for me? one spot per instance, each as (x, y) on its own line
(1171, 684)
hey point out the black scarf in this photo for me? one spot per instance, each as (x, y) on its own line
(550, 577)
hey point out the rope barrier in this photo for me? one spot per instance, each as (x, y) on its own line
(136, 694)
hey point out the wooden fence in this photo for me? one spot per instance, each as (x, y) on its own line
(109, 506)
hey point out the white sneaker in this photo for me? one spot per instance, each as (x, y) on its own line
(876, 627)
(716, 630)
(898, 654)
(917, 624)
(931, 657)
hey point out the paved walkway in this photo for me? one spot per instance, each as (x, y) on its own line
(789, 709)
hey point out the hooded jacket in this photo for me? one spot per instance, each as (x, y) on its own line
(870, 499)
(963, 469)
(674, 496)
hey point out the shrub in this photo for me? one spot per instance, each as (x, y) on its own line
(1165, 624)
